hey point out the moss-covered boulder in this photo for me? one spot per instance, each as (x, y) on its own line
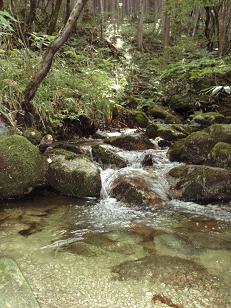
(160, 112)
(168, 132)
(207, 118)
(133, 142)
(193, 149)
(33, 135)
(220, 132)
(201, 184)
(140, 118)
(103, 155)
(74, 175)
(22, 167)
(220, 155)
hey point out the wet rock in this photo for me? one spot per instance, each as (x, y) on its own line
(207, 118)
(45, 143)
(105, 156)
(163, 143)
(159, 112)
(22, 167)
(220, 132)
(14, 289)
(147, 233)
(220, 155)
(175, 272)
(140, 118)
(193, 149)
(168, 132)
(74, 175)
(206, 240)
(201, 184)
(135, 190)
(147, 160)
(33, 135)
(165, 300)
(134, 142)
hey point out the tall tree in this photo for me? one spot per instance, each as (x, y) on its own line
(140, 29)
(54, 17)
(48, 57)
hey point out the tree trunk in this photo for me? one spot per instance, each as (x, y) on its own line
(140, 29)
(32, 14)
(166, 39)
(54, 17)
(68, 10)
(223, 22)
(1, 5)
(47, 60)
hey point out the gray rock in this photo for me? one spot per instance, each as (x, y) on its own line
(15, 292)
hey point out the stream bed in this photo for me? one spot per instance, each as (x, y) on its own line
(102, 253)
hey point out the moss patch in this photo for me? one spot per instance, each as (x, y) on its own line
(21, 166)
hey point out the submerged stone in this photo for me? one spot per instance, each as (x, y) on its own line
(74, 175)
(201, 184)
(22, 167)
(14, 289)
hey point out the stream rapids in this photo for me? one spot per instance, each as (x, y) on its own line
(102, 253)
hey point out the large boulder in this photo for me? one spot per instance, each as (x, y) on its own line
(14, 289)
(22, 167)
(220, 155)
(160, 112)
(193, 149)
(74, 175)
(220, 132)
(133, 142)
(140, 118)
(201, 184)
(168, 132)
(207, 118)
(104, 155)
(137, 190)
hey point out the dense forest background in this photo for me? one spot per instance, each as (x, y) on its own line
(68, 64)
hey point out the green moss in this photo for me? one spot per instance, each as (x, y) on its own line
(33, 135)
(167, 132)
(178, 172)
(220, 132)
(220, 155)
(208, 118)
(21, 166)
(74, 175)
(140, 118)
(106, 156)
(176, 150)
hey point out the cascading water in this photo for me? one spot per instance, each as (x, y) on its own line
(89, 253)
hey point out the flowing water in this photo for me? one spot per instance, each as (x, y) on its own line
(101, 253)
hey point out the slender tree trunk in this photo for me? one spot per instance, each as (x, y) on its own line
(166, 39)
(140, 30)
(222, 27)
(1, 5)
(48, 57)
(54, 17)
(68, 10)
(32, 14)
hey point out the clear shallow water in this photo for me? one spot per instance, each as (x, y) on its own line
(88, 253)
(83, 253)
